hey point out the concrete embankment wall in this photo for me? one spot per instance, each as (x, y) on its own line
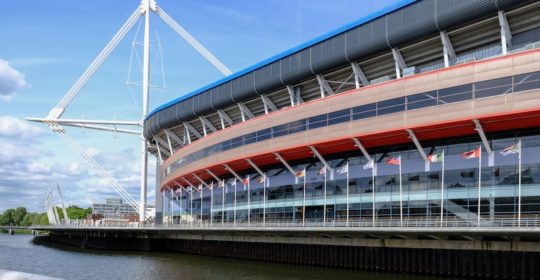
(468, 258)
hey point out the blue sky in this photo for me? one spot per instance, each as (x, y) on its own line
(46, 46)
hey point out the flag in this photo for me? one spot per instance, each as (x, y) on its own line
(245, 181)
(300, 173)
(260, 180)
(211, 186)
(514, 149)
(322, 171)
(471, 154)
(369, 165)
(179, 190)
(344, 169)
(199, 188)
(189, 189)
(436, 157)
(394, 161)
(221, 184)
(234, 182)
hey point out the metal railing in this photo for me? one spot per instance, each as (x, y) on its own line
(533, 222)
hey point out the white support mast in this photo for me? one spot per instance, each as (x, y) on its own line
(146, 5)
(56, 123)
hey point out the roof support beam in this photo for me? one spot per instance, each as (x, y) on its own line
(413, 137)
(245, 112)
(362, 149)
(448, 50)
(160, 158)
(191, 129)
(187, 137)
(161, 142)
(255, 167)
(285, 163)
(169, 143)
(400, 63)
(320, 157)
(268, 104)
(199, 179)
(174, 137)
(478, 127)
(206, 124)
(213, 175)
(188, 182)
(506, 34)
(224, 118)
(359, 76)
(324, 86)
(232, 172)
(292, 96)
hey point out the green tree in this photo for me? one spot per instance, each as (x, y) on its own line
(18, 215)
(29, 219)
(7, 217)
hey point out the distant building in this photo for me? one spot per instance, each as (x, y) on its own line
(113, 208)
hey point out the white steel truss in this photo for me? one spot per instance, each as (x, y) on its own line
(55, 123)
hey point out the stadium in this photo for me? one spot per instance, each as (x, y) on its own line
(427, 112)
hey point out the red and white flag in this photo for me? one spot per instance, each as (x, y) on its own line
(471, 154)
(394, 161)
(245, 181)
(322, 171)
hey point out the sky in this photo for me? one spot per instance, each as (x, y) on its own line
(46, 46)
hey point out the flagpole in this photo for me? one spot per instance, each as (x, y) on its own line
(211, 203)
(234, 219)
(191, 205)
(324, 202)
(400, 195)
(249, 201)
(264, 199)
(347, 193)
(200, 195)
(373, 190)
(304, 201)
(442, 188)
(172, 207)
(223, 203)
(479, 180)
(519, 183)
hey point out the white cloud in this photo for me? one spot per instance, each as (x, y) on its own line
(15, 128)
(11, 81)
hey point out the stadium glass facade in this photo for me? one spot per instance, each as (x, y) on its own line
(283, 197)
(441, 129)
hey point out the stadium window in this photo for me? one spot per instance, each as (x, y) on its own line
(317, 121)
(339, 116)
(364, 111)
(250, 138)
(527, 81)
(297, 126)
(391, 106)
(264, 134)
(422, 100)
(280, 130)
(493, 87)
(455, 94)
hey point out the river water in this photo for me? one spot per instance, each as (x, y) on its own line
(20, 259)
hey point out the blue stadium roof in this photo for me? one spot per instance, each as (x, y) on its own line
(398, 5)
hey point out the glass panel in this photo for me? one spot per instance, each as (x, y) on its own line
(455, 90)
(455, 98)
(264, 134)
(493, 83)
(526, 86)
(339, 116)
(317, 121)
(297, 126)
